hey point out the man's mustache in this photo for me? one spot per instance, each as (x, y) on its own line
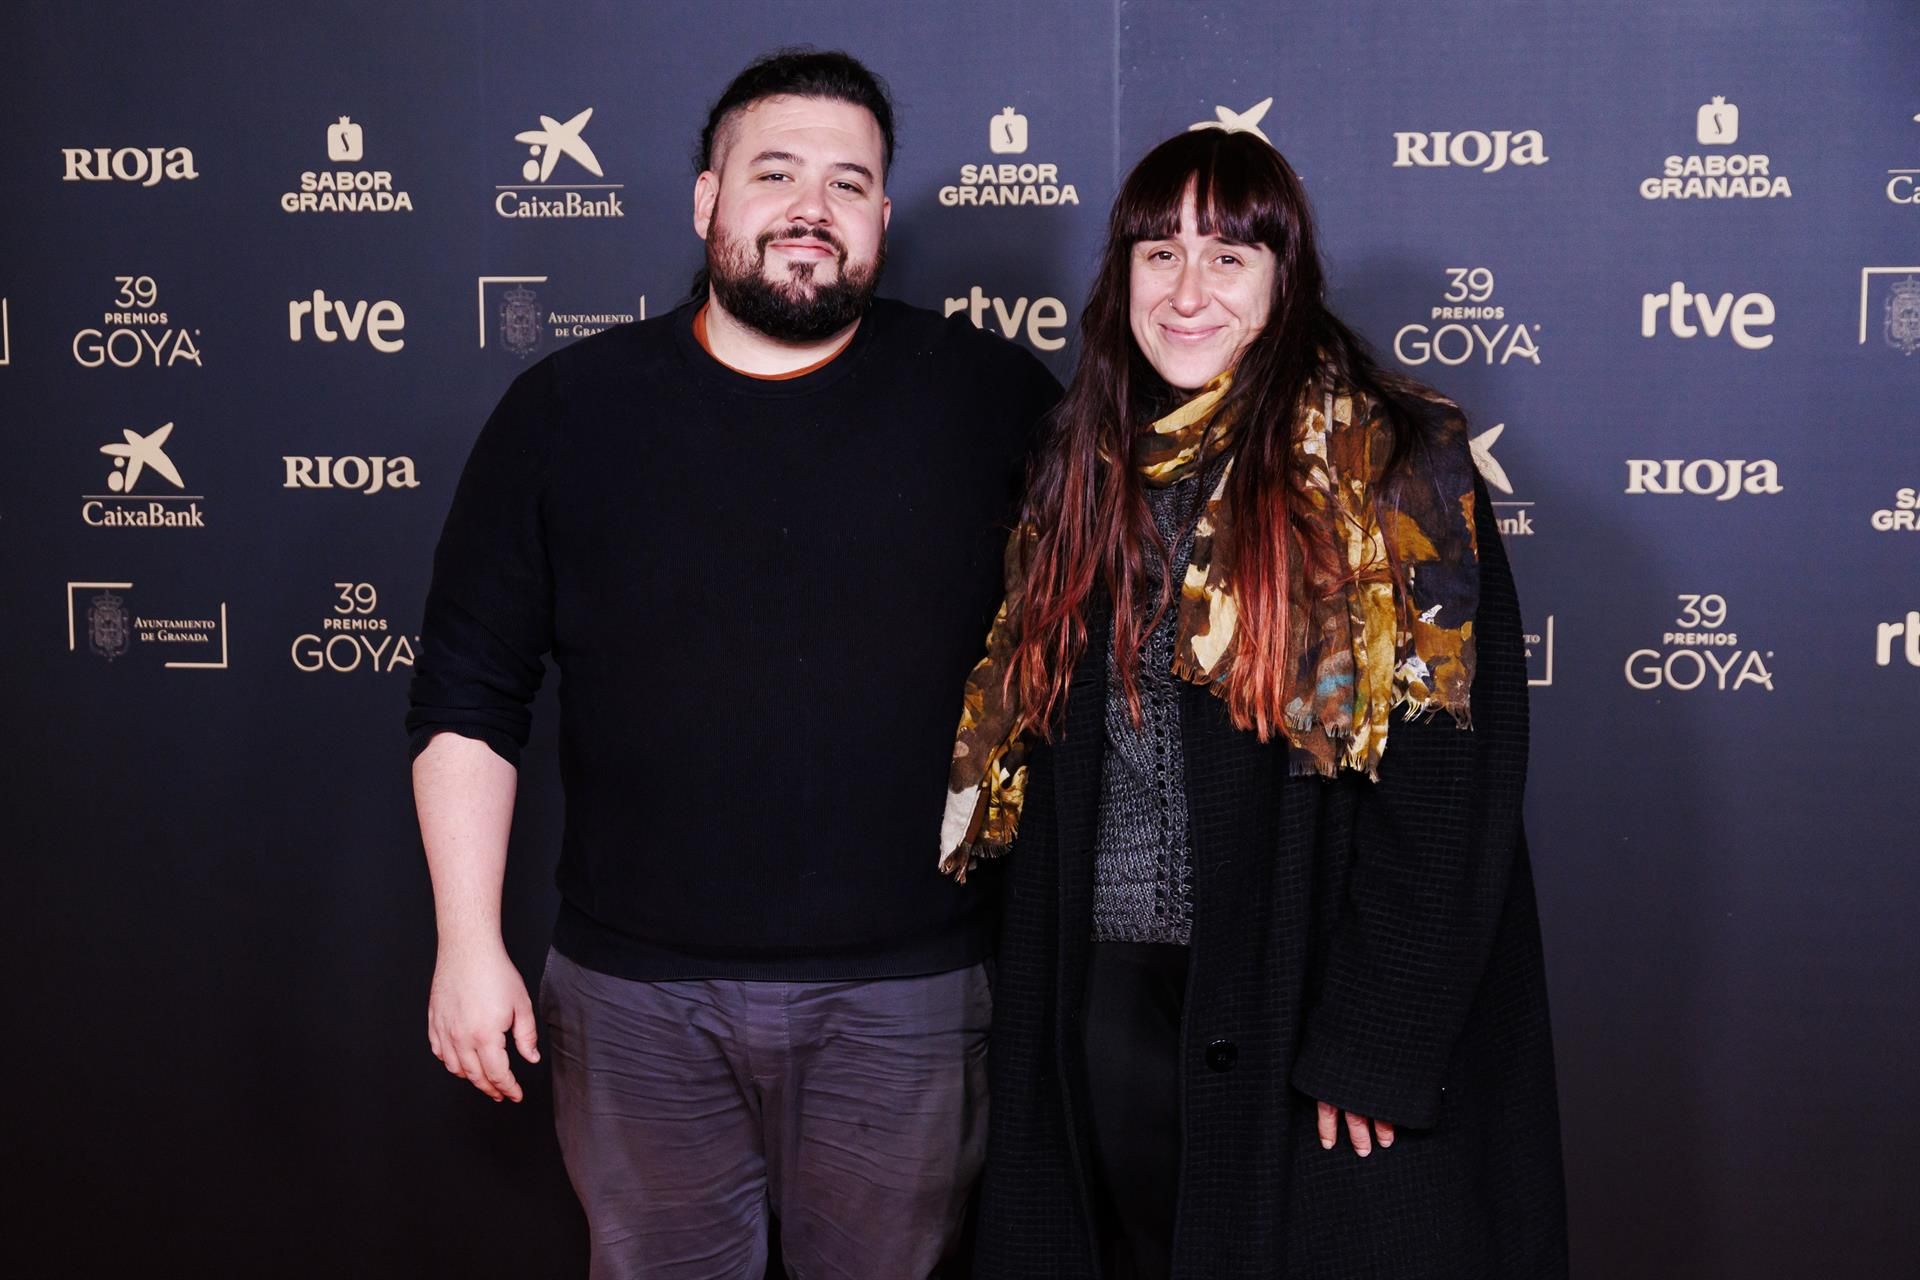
(799, 233)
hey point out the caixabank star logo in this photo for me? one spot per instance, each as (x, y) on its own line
(145, 489)
(559, 149)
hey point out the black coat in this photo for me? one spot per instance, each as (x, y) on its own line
(1373, 945)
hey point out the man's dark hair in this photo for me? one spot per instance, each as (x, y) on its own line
(799, 72)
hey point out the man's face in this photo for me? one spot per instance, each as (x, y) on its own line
(795, 217)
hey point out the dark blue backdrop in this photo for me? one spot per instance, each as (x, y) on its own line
(219, 926)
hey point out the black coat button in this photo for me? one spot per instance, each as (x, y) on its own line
(1221, 1053)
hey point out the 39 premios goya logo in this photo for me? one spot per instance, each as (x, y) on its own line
(1701, 652)
(353, 636)
(136, 332)
(1716, 174)
(998, 182)
(1468, 326)
(346, 187)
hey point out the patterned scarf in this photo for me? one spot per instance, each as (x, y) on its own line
(1363, 642)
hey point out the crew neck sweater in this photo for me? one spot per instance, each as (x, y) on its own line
(1143, 850)
(761, 598)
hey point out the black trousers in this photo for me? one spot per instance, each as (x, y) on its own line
(1130, 1033)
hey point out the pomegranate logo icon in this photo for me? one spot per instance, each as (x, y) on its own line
(1718, 123)
(344, 142)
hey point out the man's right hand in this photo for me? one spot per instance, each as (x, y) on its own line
(478, 998)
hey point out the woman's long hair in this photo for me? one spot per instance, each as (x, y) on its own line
(1084, 496)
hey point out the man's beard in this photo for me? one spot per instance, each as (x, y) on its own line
(795, 309)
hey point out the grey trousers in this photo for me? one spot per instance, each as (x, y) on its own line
(855, 1111)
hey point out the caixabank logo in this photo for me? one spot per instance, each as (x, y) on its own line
(1890, 306)
(1233, 121)
(1903, 185)
(550, 186)
(145, 489)
(136, 332)
(1701, 652)
(111, 622)
(525, 316)
(1515, 515)
(346, 187)
(1467, 326)
(1716, 174)
(353, 635)
(1001, 181)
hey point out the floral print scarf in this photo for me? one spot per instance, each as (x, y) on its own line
(1366, 640)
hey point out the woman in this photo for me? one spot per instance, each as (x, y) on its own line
(1270, 997)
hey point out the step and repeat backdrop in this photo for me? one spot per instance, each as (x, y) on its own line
(266, 269)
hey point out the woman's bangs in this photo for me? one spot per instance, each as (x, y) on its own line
(1233, 204)
(1233, 201)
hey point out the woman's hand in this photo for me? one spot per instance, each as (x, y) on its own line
(1360, 1130)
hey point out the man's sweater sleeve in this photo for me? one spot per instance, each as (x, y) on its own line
(489, 614)
(1434, 841)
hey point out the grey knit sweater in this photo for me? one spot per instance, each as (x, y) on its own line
(1141, 865)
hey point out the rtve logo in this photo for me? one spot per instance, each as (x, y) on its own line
(1742, 316)
(1044, 317)
(378, 321)
(1890, 632)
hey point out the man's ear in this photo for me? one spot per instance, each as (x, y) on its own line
(706, 194)
(886, 212)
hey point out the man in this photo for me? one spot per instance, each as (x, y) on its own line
(760, 538)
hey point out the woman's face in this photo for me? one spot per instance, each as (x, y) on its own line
(1196, 301)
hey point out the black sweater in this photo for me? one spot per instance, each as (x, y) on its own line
(762, 598)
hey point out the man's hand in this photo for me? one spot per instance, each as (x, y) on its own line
(1357, 1127)
(478, 997)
